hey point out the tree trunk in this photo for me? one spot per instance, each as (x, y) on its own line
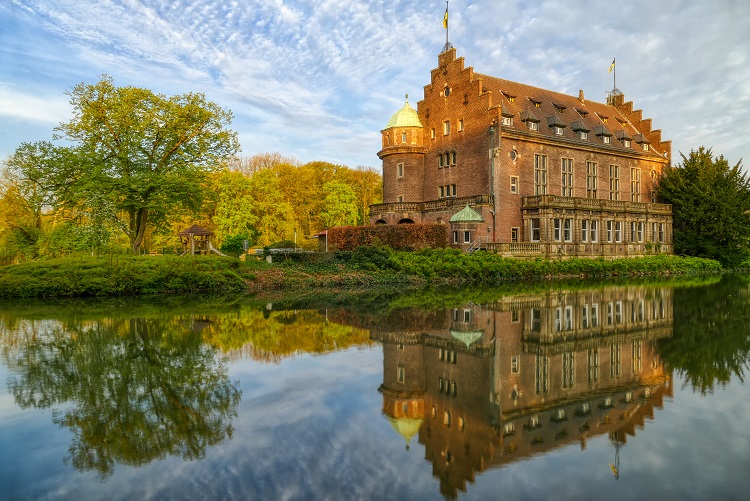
(138, 220)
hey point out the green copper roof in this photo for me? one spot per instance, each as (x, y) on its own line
(405, 117)
(467, 338)
(467, 215)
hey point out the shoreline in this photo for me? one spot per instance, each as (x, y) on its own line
(118, 276)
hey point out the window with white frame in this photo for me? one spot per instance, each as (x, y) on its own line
(595, 315)
(515, 364)
(639, 231)
(591, 180)
(557, 229)
(514, 184)
(609, 226)
(403, 137)
(446, 127)
(432, 133)
(536, 229)
(400, 169)
(633, 232)
(533, 125)
(594, 230)
(618, 231)
(567, 177)
(540, 174)
(568, 230)
(508, 121)
(467, 237)
(461, 125)
(614, 182)
(661, 232)
(635, 185)
(584, 230)
(606, 139)
(514, 232)
(400, 374)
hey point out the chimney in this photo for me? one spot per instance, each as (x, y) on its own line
(580, 96)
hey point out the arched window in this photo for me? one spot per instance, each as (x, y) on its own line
(453, 158)
(440, 160)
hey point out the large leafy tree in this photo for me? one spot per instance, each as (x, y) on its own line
(711, 204)
(340, 205)
(137, 156)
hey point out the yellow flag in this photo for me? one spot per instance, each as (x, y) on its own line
(611, 66)
(445, 18)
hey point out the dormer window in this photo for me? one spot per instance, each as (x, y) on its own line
(606, 139)
(645, 146)
(535, 102)
(602, 133)
(558, 131)
(583, 135)
(556, 124)
(641, 139)
(602, 118)
(508, 121)
(559, 107)
(510, 97)
(626, 143)
(581, 112)
(623, 137)
(533, 125)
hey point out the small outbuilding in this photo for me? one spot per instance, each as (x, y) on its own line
(195, 240)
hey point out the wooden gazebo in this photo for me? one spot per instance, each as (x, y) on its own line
(195, 239)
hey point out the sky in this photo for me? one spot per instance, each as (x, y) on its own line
(318, 80)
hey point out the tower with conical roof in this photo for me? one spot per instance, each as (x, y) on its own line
(403, 156)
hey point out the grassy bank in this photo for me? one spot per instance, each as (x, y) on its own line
(366, 267)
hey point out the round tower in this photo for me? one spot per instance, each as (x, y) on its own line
(403, 156)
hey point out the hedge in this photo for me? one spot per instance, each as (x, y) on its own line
(397, 237)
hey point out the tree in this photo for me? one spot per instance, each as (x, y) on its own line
(233, 213)
(138, 156)
(340, 205)
(711, 205)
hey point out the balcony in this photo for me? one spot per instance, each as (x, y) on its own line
(431, 206)
(595, 204)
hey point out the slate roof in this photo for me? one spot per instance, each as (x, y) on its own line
(586, 115)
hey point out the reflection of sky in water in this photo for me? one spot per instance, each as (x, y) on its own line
(311, 428)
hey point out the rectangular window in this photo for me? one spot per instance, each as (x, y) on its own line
(568, 369)
(645, 146)
(609, 231)
(533, 125)
(618, 231)
(461, 125)
(432, 133)
(633, 232)
(514, 184)
(467, 313)
(446, 127)
(593, 360)
(594, 231)
(583, 135)
(400, 199)
(540, 174)
(400, 374)
(595, 315)
(536, 230)
(514, 234)
(455, 237)
(568, 318)
(453, 190)
(542, 374)
(441, 191)
(591, 180)
(467, 237)
(584, 230)
(614, 182)
(615, 355)
(400, 169)
(556, 224)
(605, 139)
(635, 185)
(567, 177)
(661, 232)
(558, 131)
(508, 121)
(568, 230)
(403, 137)
(585, 322)
(515, 364)
(639, 230)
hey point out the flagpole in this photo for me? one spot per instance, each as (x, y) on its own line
(614, 75)
(447, 44)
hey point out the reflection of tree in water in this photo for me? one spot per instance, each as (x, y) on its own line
(135, 390)
(711, 336)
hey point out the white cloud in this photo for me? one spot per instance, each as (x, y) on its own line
(313, 77)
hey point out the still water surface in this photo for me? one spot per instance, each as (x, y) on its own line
(620, 391)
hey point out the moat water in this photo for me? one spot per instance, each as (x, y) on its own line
(551, 391)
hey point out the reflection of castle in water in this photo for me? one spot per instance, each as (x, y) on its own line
(495, 383)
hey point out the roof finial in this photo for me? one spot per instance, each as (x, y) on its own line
(407, 98)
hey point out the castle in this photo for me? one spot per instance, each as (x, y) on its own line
(524, 171)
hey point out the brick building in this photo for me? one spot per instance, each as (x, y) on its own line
(484, 386)
(532, 172)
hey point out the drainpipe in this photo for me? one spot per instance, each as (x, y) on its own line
(492, 179)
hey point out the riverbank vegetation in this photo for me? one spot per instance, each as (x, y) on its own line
(366, 267)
